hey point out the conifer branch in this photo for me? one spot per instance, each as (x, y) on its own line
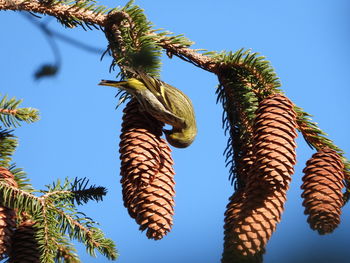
(73, 11)
(46, 233)
(58, 9)
(66, 253)
(239, 103)
(18, 199)
(82, 193)
(11, 115)
(174, 45)
(82, 230)
(8, 144)
(57, 195)
(252, 68)
(56, 207)
(21, 178)
(60, 199)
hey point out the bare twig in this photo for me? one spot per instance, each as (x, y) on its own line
(43, 26)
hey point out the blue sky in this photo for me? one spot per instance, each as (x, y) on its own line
(307, 43)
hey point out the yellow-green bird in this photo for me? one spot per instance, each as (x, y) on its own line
(165, 103)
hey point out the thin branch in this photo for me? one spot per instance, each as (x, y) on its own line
(8, 111)
(46, 224)
(76, 43)
(188, 55)
(76, 224)
(50, 194)
(48, 36)
(43, 26)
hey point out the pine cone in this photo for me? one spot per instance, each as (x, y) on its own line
(323, 183)
(24, 246)
(232, 253)
(268, 179)
(234, 210)
(7, 217)
(147, 173)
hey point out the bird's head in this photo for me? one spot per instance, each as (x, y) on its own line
(180, 139)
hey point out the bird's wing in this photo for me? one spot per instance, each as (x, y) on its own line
(157, 87)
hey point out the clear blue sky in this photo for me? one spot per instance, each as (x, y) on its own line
(307, 43)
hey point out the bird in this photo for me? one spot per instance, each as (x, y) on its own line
(165, 103)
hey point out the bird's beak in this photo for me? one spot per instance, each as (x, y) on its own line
(112, 83)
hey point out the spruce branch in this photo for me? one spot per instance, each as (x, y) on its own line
(11, 115)
(173, 45)
(251, 67)
(63, 10)
(23, 182)
(74, 11)
(82, 193)
(78, 191)
(18, 199)
(130, 43)
(55, 207)
(46, 234)
(83, 230)
(8, 145)
(239, 103)
(313, 135)
(66, 252)
(60, 198)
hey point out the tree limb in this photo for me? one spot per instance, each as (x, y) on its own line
(63, 11)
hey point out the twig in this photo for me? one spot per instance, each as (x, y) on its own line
(43, 26)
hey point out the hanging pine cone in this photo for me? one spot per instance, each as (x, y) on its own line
(147, 173)
(233, 212)
(24, 246)
(7, 217)
(268, 179)
(323, 183)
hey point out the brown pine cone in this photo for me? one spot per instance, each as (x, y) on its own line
(147, 173)
(24, 246)
(232, 253)
(234, 210)
(268, 180)
(7, 217)
(323, 183)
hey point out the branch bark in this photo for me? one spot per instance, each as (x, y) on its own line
(56, 10)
